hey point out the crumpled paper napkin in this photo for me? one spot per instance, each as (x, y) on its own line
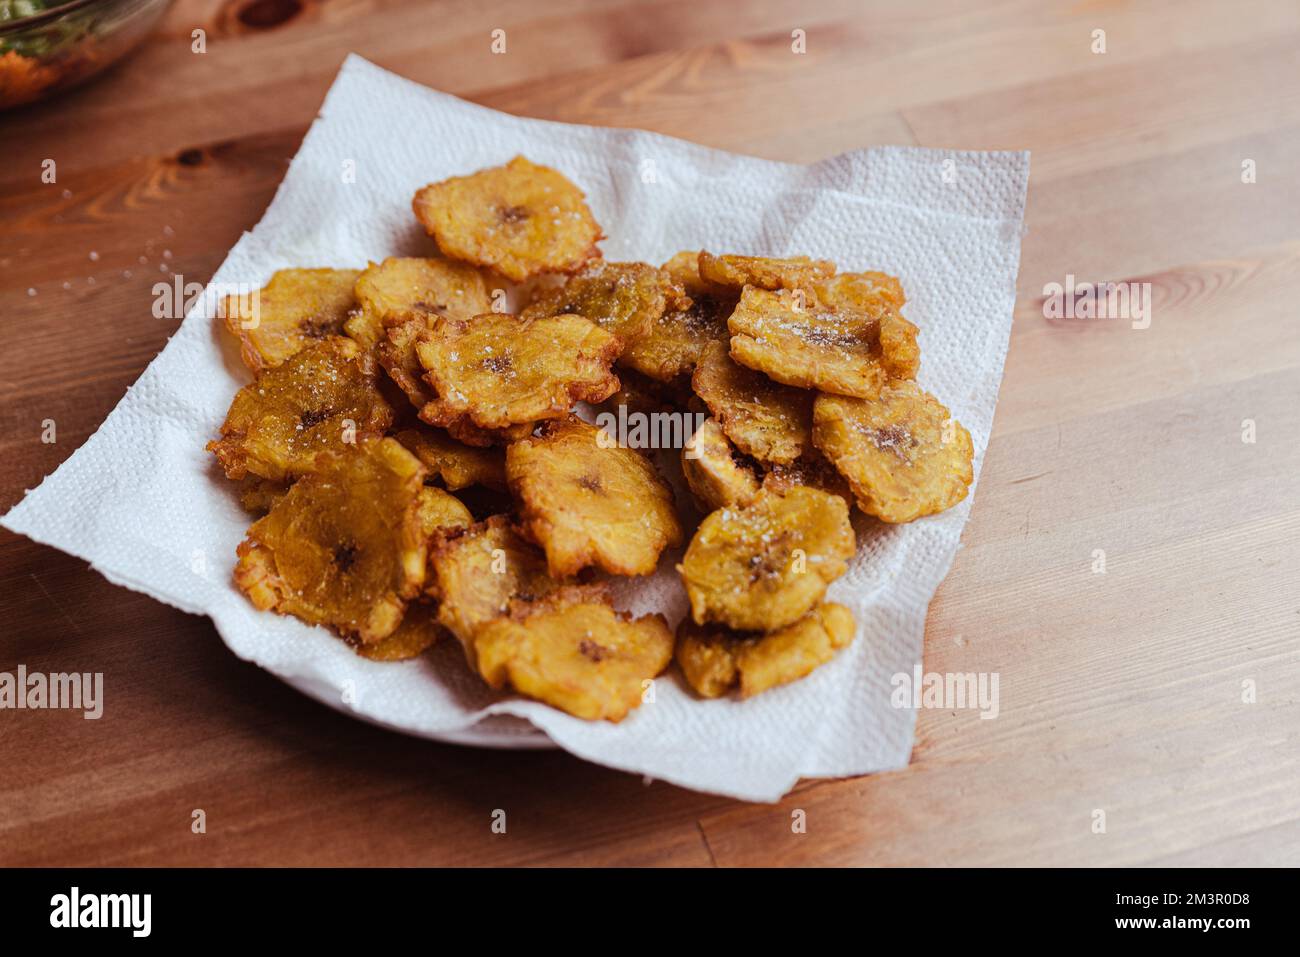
(147, 507)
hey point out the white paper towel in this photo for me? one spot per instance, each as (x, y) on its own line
(147, 507)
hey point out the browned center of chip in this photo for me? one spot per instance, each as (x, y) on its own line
(892, 438)
(510, 215)
(345, 555)
(499, 363)
(310, 417)
(592, 651)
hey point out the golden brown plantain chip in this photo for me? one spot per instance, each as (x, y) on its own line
(902, 453)
(811, 469)
(574, 653)
(792, 337)
(344, 547)
(706, 654)
(320, 399)
(295, 309)
(520, 219)
(587, 501)
(436, 287)
(672, 345)
(476, 575)
(879, 295)
(622, 298)
(761, 567)
(418, 632)
(768, 421)
(395, 351)
(441, 514)
(714, 659)
(455, 464)
(498, 370)
(736, 272)
(715, 472)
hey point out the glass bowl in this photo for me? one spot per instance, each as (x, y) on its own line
(48, 51)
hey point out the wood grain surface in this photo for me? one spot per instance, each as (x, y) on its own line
(1121, 691)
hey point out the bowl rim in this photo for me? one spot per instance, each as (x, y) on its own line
(50, 15)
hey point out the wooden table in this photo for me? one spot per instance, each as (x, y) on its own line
(1121, 691)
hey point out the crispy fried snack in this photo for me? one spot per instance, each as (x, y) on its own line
(476, 575)
(714, 659)
(520, 219)
(623, 298)
(436, 287)
(903, 454)
(441, 514)
(418, 632)
(792, 338)
(574, 653)
(257, 495)
(395, 349)
(320, 399)
(296, 308)
(672, 345)
(771, 422)
(761, 567)
(587, 501)
(879, 295)
(457, 465)
(810, 469)
(715, 472)
(344, 547)
(736, 272)
(498, 370)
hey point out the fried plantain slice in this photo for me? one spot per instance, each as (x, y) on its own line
(436, 287)
(455, 464)
(768, 421)
(344, 547)
(706, 654)
(498, 370)
(477, 574)
(879, 295)
(811, 469)
(520, 219)
(395, 350)
(418, 632)
(295, 309)
(441, 514)
(761, 567)
(320, 399)
(587, 501)
(714, 659)
(673, 343)
(715, 472)
(902, 453)
(865, 291)
(574, 653)
(736, 272)
(794, 339)
(622, 298)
